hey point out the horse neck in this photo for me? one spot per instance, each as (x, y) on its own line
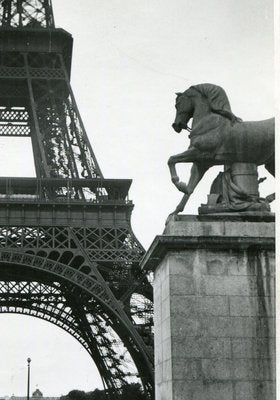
(201, 109)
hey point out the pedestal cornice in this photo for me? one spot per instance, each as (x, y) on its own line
(221, 231)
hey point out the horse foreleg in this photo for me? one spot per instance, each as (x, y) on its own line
(197, 172)
(180, 207)
(189, 155)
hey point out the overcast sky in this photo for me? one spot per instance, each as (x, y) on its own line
(129, 59)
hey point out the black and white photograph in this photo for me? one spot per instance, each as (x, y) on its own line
(137, 199)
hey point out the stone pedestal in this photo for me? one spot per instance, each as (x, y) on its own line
(214, 308)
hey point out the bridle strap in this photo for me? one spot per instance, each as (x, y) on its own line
(182, 95)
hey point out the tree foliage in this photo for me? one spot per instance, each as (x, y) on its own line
(128, 392)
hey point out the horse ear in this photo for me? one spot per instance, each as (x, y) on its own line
(178, 94)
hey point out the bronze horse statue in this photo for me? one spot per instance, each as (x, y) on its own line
(217, 136)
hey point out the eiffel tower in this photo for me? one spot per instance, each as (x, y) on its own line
(68, 254)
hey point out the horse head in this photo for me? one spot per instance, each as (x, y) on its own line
(200, 100)
(184, 112)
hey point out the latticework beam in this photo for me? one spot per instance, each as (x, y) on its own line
(27, 14)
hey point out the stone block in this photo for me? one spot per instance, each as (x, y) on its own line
(182, 263)
(167, 370)
(253, 369)
(227, 327)
(157, 294)
(266, 286)
(238, 264)
(252, 306)
(195, 228)
(165, 329)
(165, 309)
(165, 289)
(188, 371)
(158, 352)
(217, 266)
(197, 347)
(163, 271)
(184, 327)
(184, 306)
(181, 285)
(164, 390)
(264, 263)
(158, 373)
(202, 390)
(157, 318)
(230, 285)
(157, 282)
(212, 305)
(249, 229)
(217, 369)
(263, 390)
(253, 348)
(265, 327)
(260, 262)
(200, 280)
(158, 356)
(270, 263)
(158, 337)
(166, 350)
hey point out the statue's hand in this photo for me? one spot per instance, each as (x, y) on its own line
(270, 198)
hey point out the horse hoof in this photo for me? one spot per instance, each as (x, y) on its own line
(171, 217)
(175, 179)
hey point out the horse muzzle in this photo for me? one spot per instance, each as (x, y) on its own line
(177, 127)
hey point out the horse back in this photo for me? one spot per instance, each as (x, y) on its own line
(251, 141)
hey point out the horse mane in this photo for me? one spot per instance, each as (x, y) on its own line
(218, 100)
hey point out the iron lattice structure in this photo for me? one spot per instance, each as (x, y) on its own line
(67, 251)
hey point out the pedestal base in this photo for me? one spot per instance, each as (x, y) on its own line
(214, 310)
